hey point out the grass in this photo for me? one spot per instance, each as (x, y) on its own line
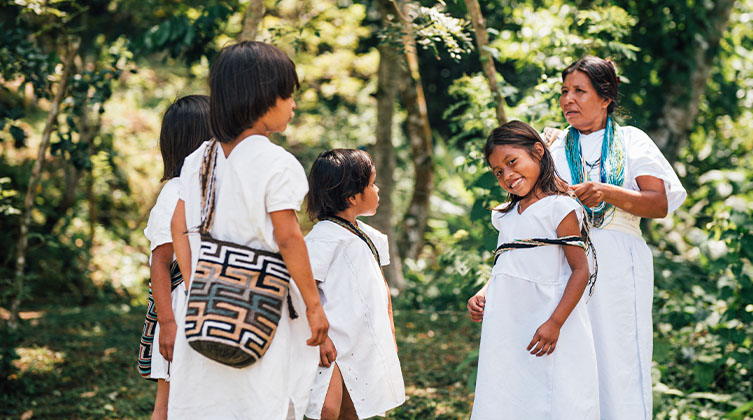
(80, 363)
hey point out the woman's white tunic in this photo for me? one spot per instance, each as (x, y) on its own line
(525, 288)
(354, 296)
(621, 305)
(158, 232)
(257, 178)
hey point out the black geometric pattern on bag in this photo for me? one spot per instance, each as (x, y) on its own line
(235, 302)
(150, 323)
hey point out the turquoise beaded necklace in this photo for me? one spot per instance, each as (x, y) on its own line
(611, 166)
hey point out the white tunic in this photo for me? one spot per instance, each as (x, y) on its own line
(525, 288)
(158, 233)
(354, 297)
(257, 178)
(621, 305)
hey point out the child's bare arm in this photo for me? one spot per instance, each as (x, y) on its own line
(476, 304)
(293, 250)
(180, 246)
(162, 257)
(545, 339)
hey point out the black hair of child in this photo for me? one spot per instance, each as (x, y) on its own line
(184, 127)
(245, 81)
(336, 176)
(522, 135)
(603, 76)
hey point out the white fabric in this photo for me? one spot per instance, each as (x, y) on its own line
(157, 229)
(257, 178)
(354, 296)
(621, 304)
(158, 233)
(525, 288)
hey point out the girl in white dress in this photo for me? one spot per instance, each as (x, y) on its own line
(536, 359)
(359, 372)
(259, 187)
(184, 127)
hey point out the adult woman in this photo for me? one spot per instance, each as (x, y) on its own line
(619, 175)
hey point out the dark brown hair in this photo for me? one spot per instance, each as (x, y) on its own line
(184, 127)
(245, 81)
(335, 176)
(602, 74)
(522, 135)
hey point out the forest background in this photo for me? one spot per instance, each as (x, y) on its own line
(83, 86)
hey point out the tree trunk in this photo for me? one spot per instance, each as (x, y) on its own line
(419, 133)
(251, 20)
(487, 62)
(384, 153)
(682, 100)
(36, 173)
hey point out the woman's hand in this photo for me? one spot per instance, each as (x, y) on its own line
(545, 339)
(167, 331)
(590, 193)
(327, 353)
(318, 324)
(476, 307)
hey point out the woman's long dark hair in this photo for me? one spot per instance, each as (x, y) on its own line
(522, 135)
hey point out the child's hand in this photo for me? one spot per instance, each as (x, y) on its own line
(476, 307)
(318, 324)
(545, 339)
(167, 333)
(327, 353)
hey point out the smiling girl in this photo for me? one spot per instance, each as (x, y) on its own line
(536, 358)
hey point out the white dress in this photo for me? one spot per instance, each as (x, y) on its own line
(621, 305)
(258, 177)
(354, 296)
(525, 287)
(158, 233)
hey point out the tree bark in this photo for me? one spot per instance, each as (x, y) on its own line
(682, 100)
(251, 20)
(418, 130)
(487, 62)
(36, 172)
(384, 153)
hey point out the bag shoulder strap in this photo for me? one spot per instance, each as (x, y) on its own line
(549, 135)
(356, 231)
(207, 180)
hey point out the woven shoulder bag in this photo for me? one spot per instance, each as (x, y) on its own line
(237, 293)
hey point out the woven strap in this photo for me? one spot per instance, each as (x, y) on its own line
(356, 231)
(207, 180)
(562, 241)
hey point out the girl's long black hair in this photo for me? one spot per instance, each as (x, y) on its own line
(520, 134)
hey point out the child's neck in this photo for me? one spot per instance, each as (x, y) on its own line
(348, 214)
(532, 197)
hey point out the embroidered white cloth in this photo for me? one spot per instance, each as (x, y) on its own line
(355, 300)
(525, 287)
(621, 304)
(258, 177)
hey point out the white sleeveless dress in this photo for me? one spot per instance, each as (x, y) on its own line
(525, 287)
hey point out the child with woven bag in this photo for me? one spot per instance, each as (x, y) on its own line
(359, 371)
(256, 188)
(536, 357)
(184, 127)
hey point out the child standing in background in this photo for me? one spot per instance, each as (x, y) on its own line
(536, 358)
(184, 127)
(359, 374)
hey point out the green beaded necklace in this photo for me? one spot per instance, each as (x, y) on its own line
(611, 167)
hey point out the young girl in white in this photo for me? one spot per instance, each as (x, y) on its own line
(359, 374)
(259, 186)
(537, 358)
(184, 127)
